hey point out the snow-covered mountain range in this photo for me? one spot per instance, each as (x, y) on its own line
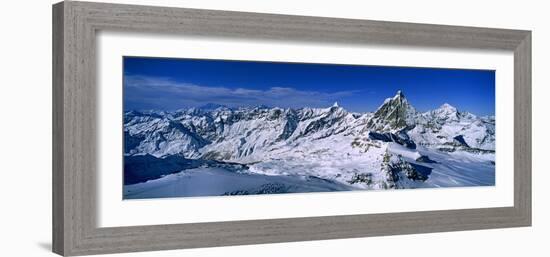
(393, 147)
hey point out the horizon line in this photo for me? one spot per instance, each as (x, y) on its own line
(263, 106)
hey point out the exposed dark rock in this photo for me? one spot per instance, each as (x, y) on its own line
(460, 141)
(393, 114)
(419, 172)
(411, 171)
(425, 159)
(290, 125)
(269, 188)
(392, 175)
(365, 178)
(400, 137)
(455, 146)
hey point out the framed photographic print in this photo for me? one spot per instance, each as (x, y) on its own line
(183, 128)
(196, 127)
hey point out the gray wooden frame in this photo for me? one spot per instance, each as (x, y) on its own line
(75, 25)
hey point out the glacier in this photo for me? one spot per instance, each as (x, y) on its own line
(215, 150)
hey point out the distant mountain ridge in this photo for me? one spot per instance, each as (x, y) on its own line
(267, 137)
(187, 131)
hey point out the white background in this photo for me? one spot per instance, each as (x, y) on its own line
(25, 128)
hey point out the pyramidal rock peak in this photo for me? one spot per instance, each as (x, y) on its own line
(447, 106)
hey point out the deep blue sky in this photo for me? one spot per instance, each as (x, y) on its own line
(170, 84)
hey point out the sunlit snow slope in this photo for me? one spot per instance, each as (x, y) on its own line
(222, 151)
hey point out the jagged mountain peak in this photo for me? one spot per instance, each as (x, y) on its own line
(335, 104)
(447, 107)
(398, 99)
(251, 129)
(399, 94)
(446, 112)
(394, 114)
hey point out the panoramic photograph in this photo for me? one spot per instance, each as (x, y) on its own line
(201, 127)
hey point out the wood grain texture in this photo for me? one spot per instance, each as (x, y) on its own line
(522, 128)
(75, 25)
(58, 216)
